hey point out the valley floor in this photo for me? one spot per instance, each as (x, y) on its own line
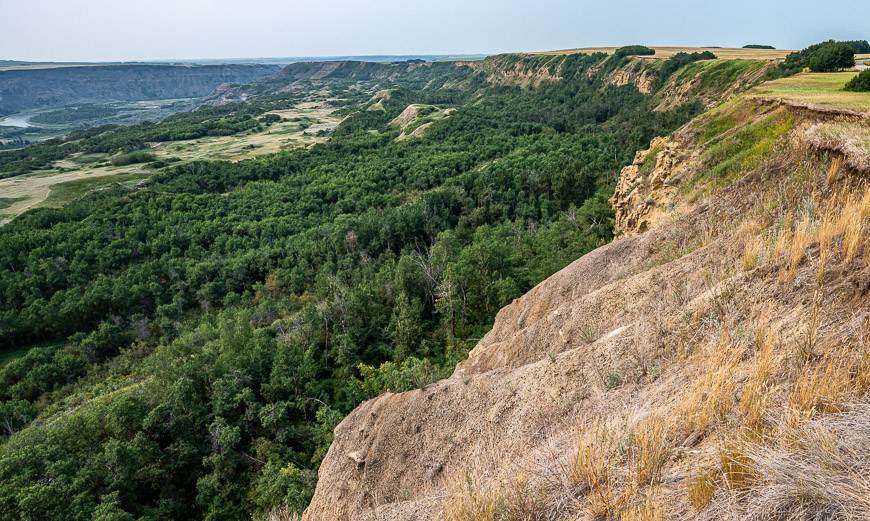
(303, 125)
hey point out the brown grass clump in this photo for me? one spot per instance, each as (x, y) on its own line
(836, 379)
(648, 509)
(650, 450)
(597, 456)
(737, 466)
(502, 500)
(700, 489)
(711, 397)
(591, 463)
(841, 232)
(802, 238)
(756, 392)
(753, 244)
(469, 501)
(820, 472)
(853, 223)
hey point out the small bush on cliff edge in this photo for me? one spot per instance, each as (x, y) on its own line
(860, 83)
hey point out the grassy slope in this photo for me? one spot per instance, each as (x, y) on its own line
(818, 89)
(757, 406)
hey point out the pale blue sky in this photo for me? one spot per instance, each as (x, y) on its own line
(165, 29)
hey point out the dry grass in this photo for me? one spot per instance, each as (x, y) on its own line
(840, 376)
(840, 234)
(750, 233)
(469, 501)
(515, 499)
(711, 397)
(590, 467)
(648, 508)
(754, 401)
(736, 465)
(650, 450)
(700, 489)
(851, 139)
(823, 90)
(820, 471)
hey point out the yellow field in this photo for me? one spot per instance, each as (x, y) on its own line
(667, 52)
(816, 89)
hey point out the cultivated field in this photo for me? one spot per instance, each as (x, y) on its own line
(667, 52)
(817, 89)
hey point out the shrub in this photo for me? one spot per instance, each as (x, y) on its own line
(860, 83)
(131, 158)
(268, 119)
(634, 50)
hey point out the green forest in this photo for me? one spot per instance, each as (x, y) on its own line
(183, 349)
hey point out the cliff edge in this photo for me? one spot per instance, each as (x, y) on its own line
(712, 362)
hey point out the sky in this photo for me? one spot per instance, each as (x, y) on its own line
(126, 30)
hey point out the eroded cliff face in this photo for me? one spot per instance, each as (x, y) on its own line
(41, 88)
(652, 376)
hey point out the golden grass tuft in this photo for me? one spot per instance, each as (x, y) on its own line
(853, 217)
(802, 238)
(754, 400)
(841, 232)
(596, 458)
(591, 463)
(648, 509)
(469, 499)
(700, 488)
(822, 388)
(737, 466)
(650, 450)
(711, 397)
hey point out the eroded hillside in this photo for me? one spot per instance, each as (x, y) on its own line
(713, 363)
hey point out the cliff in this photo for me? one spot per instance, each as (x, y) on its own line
(42, 88)
(711, 363)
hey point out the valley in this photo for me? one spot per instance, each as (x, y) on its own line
(587, 285)
(307, 123)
